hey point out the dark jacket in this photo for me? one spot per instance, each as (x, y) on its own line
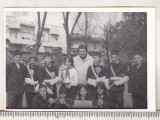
(57, 104)
(39, 103)
(107, 103)
(138, 79)
(46, 76)
(37, 77)
(90, 74)
(15, 77)
(120, 71)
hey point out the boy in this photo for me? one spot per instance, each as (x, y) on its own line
(49, 74)
(117, 77)
(138, 82)
(42, 100)
(32, 79)
(15, 74)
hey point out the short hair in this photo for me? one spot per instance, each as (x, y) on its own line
(47, 54)
(17, 52)
(43, 86)
(97, 54)
(69, 59)
(32, 57)
(82, 47)
(137, 53)
(100, 85)
(63, 89)
(115, 52)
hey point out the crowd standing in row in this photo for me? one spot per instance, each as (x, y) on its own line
(79, 78)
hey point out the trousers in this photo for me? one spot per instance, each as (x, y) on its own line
(14, 99)
(139, 101)
(117, 99)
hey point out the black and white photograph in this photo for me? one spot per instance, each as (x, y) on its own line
(76, 60)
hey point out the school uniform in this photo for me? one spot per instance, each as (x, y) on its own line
(15, 75)
(30, 89)
(57, 104)
(69, 76)
(91, 73)
(40, 103)
(138, 86)
(116, 92)
(45, 72)
(107, 104)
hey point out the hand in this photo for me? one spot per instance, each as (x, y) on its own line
(117, 83)
(62, 101)
(69, 86)
(49, 91)
(130, 94)
(51, 100)
(100, 102)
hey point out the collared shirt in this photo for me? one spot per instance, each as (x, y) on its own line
(72, 78)
(82, 67)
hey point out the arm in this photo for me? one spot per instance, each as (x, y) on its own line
(75, 81)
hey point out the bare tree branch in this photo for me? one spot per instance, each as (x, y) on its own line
(75, 22)
(43, 23)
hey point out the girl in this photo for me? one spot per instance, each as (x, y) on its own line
(82, 93)
(68, 75)
(42, 100)
(102, 100)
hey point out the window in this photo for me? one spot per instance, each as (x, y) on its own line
(55, 36)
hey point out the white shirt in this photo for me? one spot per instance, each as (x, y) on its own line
(82, 67)
(73, 76)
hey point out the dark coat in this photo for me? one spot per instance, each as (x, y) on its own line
(120, 71)
(138, 79)
(90, 74)
(46, 76)
(37, 77)
(39, 103)
(15, 77)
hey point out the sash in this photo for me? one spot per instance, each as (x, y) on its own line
(46, 81)
(32, 78)
(94, 72)
(114, 74)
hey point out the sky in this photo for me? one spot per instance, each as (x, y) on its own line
(56, 19)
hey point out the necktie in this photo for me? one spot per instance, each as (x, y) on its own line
(67, 73)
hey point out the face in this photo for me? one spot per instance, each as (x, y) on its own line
(32, 62)
(83, 92)
(48, 60)
(68, 64)
(82, 53)
(100, 91)
(96, 60)
(62, 95)
(114, 58)
(17, 58)
(138, 59)
(43, 92)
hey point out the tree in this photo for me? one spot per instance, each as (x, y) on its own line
(39, 33)
(66, 27)
(88, 25)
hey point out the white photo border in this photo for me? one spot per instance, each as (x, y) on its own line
(151, 79)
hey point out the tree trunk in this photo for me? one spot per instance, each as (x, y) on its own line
(39, 34)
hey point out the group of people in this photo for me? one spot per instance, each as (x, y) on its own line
(79, 78)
